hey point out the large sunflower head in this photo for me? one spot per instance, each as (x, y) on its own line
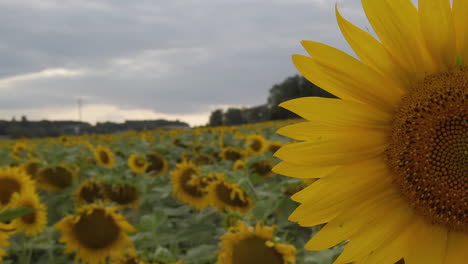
(391, 153)
(95, 232)
(55, 178)
(14, 180)
(228, 196)
(90, 191)
(244, 244)
(188, 185)
(137, 163)
(34, 223)
(104, 157)
(157, 165)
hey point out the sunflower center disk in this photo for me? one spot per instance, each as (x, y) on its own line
(96, 230)
(428, 150)
(253, 251)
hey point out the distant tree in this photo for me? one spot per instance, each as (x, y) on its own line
(216, 118)
(293, 87)
(255, 114)
(233, 116)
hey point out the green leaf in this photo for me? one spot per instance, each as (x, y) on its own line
(11, 214)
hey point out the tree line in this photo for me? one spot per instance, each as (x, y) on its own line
(292, 87)
(45, 128)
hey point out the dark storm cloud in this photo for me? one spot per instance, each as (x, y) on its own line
(174, 57)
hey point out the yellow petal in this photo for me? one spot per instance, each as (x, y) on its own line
(348, 222)
(371, 52)
(395, 250)
(329, 112)
(338, 150)
(460, 19)
(457, 248)
(349, 73)
(430, 238)
(437, 27)
(303, 171)
(309, 131)
(396, 23)
(346, 181)
(383, 230)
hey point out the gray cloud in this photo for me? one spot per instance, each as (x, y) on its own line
(174, 57)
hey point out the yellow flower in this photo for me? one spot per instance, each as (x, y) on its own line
(104, 157)
(261, 167)
(123, 194)
(157, 165)
(231, 154)
(188, 185)
(228, 196)
(256, 144)
(137, 163)
(238, 165)
(89, 191)
(4, 235)
(55, 178)
(243, 244)
(13, 180)
(34, 223)
(390, 155)
(95, 233)
(31, 167)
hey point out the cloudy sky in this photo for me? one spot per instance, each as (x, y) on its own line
(147, 59)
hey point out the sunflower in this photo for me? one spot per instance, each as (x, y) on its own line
(31, 167)
(274, 146)
(256, 144)
(137, 163)
(3, 241)
(244, 244)
(157, 165)
(391, 154)
(187, 185)
(228, 196)
(14, 180)
(55, 178)
(238, 165)
(231, 154)
(123, 194)
(104, 157)
(94, 233)
(34, 223)
(89, 191)
(261, 167)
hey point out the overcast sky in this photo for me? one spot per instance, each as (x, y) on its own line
(147, 59)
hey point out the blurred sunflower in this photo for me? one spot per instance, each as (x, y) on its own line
(55, 178)
(104, 157)
(137, 164)
(274, 146)
(244, 244)
(238, 165)
(228, 196)
(231, 154)
(157, 165)
(187, 185)
(34, 223)
(3, 240)
(89, 191)
(261, 167)
(14, 180)
(391, 154)
(123, 194)
(256, 144)
(31, 167)
(94, 233)
(203, 159)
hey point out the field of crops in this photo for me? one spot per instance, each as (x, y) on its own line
(204, 195)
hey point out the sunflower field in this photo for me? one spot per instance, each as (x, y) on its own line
(204, 195)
